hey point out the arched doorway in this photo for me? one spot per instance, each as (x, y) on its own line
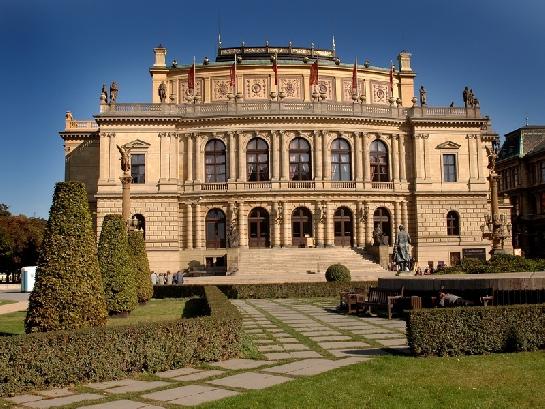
(344, 233)
(381, 218)
(215, 229)
(258, 228)
(301, 226)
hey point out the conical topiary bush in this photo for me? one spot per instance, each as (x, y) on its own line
(137, 248)
(116, 266)
(68, 293)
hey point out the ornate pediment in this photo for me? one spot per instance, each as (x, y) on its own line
(137, 144)
(448, 145)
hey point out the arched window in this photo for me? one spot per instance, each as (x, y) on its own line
(378, 158)
(215, 229)
(214, 157)
(300, 164)
(453, 223)
(257, 160)
(381, 218)
(340, 160)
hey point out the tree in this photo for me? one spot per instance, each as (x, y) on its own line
(116, 266)
(137, 247)
(68, 293)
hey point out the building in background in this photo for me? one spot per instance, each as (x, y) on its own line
(521, 167)
(286, 147)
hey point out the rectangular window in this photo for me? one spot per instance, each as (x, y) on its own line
(138, 168)
(449, 168)
(542, 172)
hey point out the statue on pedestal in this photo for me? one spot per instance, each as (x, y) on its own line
(162, 92)
(113, 92)
(402, 256)
(378, 236)
(423, 96)
(125, 159)
(465, 96)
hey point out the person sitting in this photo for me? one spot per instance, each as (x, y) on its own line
(450, 300)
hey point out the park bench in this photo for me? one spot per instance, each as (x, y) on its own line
(380, 297)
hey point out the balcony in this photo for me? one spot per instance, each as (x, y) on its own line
(81, 126)
(303, 185)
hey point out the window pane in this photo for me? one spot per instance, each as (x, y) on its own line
(335, 172)
(345, 158)
(251, 158)
(345, 172)
(305, 157)
(263, 157)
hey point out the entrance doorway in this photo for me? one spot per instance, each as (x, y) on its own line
(301, 226)
(215, 229)
(258, 228)
(342, 220)
(381, 218)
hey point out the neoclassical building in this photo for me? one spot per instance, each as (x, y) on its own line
(280, 151)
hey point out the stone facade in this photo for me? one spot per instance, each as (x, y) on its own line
(399, 163)
(521, 168)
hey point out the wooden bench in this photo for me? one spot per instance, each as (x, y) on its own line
(379, 297)
(352, 300)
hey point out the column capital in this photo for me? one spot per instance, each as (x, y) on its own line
(107, 134)
(421, 135)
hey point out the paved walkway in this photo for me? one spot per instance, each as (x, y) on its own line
(297, 338)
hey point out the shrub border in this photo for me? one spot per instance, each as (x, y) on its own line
(60, 358)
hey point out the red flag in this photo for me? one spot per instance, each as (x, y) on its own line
(355, 76)
(275, 69)
(313, 79)
(191, 77)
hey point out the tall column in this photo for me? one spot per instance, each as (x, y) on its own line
(164, 151)
(397, 220)
(286, 220)
(243, 225)
(318, 233)
(275, 224)
(189, 157)
(360, 224)
(199, 168)
(198, 226)
(365, 161)
(241, 160)
(189, 226)
(104, 157)
(113, 156)
(358, 162)
(232, 156)
(326, 157)
(329, 236)
(275, 160)
(402, 163)
(318, 173)
(404, 215)
(395, 159)
(368, 224)
(284, 148)
(173, 176)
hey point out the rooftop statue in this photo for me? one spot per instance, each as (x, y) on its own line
(113, 92)
(162, 92)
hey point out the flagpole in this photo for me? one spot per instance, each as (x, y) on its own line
(235, 84)
(357, 82)
(194, 78)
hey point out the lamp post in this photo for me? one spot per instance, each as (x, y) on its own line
(496, 228)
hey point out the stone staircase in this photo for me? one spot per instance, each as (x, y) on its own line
(303, 264)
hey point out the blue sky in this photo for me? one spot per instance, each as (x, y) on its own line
(56, 54)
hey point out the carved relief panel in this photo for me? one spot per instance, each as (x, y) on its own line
(220, 88)
(292, 87)
(380, 92)
(347, 89)
(184, 90)
(256, 87)
(327, 85)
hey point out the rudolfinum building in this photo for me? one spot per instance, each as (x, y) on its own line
(270, 156)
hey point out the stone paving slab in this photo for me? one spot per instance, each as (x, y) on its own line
(250, 380)
(342, 344)
(263, 341)
(320, 333)
(295, 347)
(56, 393)
(238, 363)
(175, 372)
(191, 395)
(290, 355)
(65, 400)
(286, 340)
(121, 404)
(137, 386)
(24, 398)
(270, 348)
(375, 330)
(392, 342)
(363, 353)
(306, 367)
(197, 376)
(111, 384)
(331, 338)
(385, 335)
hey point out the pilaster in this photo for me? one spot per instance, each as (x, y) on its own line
(243, 225)
(198, 226)
(189, 226)
(318, 174)
(358, 160)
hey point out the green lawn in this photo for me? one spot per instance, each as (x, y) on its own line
(3, 302)
(154, 310)
(394, 382)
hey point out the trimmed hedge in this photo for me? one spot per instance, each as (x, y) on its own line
(68, 293)
(338, 272)
(60, 358)
(476, 330)
(117, 266)
(500, 263)
(282, 290)
(137, 250)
